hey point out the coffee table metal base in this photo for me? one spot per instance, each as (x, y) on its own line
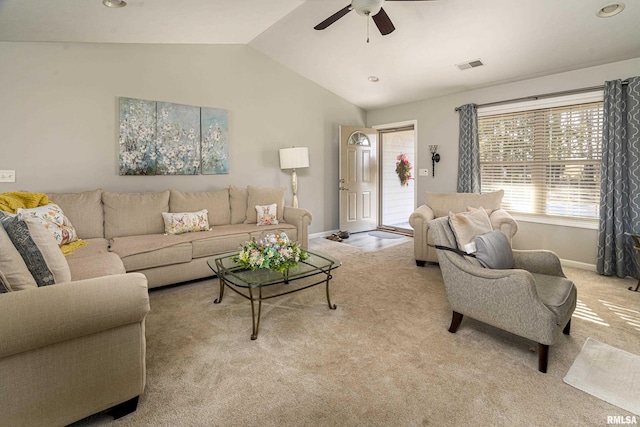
(255, 318)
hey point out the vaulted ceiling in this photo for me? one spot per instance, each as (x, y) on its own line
(514, 39)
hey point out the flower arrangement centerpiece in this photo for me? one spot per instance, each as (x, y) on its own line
(273, 250)
(403, 169)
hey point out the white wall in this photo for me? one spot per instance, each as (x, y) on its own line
(438, 124)
(59, 116)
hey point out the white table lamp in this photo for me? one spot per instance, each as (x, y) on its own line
(294, 158)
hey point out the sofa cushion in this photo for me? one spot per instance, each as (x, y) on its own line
(84, 210)
(12, 265)
(96, 265)
(175, 254)
(443, 203)
(185, 222)
(558, 294)
(264, 196)
(131, 214)
(93, 247)
(215, 202)
(54, 220)
(39, 250)
(238, 202)
(229, 238)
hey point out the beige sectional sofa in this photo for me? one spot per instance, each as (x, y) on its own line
(74, 349)
(437, 205)
(128, 228)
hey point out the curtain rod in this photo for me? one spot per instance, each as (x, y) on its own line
(544, 95)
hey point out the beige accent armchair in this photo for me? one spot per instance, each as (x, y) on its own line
(440, 204)
(533, 300)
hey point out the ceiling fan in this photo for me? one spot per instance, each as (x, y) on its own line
(368, 8)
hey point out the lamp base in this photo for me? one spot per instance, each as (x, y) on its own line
(294, 188)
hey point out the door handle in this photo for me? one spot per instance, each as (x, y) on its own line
(343, 188)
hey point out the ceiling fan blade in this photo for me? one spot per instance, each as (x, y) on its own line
(333, 18)
(383, 22)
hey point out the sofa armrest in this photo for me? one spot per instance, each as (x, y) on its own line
(301, 218)
(503, 221)
(538, 261)
(419, 220)
(40, 317)
(422, 215)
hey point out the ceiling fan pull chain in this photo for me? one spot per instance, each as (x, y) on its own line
(368, 16)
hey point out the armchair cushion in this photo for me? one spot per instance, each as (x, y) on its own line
(554, 292)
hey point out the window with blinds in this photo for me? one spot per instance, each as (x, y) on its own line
(547, 160)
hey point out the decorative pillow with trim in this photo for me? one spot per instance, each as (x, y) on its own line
(268, 214)
(467, 225)
(15, 272)
(39, 250)
(185, 222)
(54, 220)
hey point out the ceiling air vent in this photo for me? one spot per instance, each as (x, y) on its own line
(471, 64)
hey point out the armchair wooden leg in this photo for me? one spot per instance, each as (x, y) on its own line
(456, 319)
(543, 357)
(567, 329)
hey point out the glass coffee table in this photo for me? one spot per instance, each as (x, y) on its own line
(250, 283)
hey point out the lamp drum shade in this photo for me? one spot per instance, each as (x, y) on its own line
(294, 158)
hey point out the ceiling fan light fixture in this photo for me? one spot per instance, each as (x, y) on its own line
(610, 10)
(114, 3)
(367, 7)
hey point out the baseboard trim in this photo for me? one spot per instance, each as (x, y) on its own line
(578, 264)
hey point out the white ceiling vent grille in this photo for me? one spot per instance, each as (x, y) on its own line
(470, 64)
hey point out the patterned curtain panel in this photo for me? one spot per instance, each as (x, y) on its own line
(620, 186)
(469, 150)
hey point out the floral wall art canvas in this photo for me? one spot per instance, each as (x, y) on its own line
(137, 137)
(162, 138)
(178, 143)
(215, 141)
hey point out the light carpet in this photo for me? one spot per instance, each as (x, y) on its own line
(382, 358)
(607, 373)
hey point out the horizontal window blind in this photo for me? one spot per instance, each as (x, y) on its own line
(546, 160)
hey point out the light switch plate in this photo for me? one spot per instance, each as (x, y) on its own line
(7, 176)
(423, 172)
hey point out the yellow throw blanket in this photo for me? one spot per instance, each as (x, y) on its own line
(12, 201)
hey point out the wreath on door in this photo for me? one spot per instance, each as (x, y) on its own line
(403, 169)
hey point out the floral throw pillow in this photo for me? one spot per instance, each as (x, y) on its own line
(185, 222)
(54, 220)
(267, 214)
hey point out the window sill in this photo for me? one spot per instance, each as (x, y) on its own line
(589, 224)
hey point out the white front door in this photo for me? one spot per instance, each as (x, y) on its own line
(358, 179)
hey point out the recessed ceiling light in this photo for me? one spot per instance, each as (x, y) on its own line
(373, 79)
(609, 10)
(114, 3)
